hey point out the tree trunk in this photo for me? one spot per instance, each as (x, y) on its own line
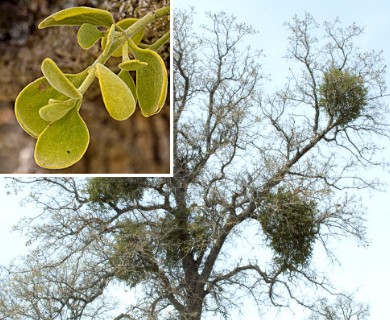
(195, 312)
(136, 145)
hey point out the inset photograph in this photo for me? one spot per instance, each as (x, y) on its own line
(85, 88)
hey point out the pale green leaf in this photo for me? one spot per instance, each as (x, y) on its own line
(55, 111)
(63, 142)
(128, 79)
(55, 101)
(87, 35)
(151, 81)
(77, 16)
(132, 65)
(36, 95)
(58, 80)
(117, 96)
(110, 40)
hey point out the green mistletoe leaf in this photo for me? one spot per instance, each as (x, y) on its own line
(87, 35)
(117, 96)
(77, 16)
(63, 142)
(37, 95)
(132, 65)
(110, 40)
(151, 81)
(128, 79)
(58, 80)
(56, 110)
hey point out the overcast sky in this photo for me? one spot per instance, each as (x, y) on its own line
(362, 269)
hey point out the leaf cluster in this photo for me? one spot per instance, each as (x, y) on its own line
(49, 108)
(342, 95)
(141, 246)
(289, 224)
(132, 258)
(182, 237)
(103, 190)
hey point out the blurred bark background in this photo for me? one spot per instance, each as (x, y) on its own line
(136, 145)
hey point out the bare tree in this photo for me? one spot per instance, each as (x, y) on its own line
(344, 308)
(277, 167)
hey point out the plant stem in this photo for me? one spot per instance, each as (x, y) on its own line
(125, 52)
(103, 57)
(160, 42)
(88, 80)
(145, 20)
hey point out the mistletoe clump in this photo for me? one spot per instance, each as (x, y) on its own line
(111, 190)
(182, 233)
(133, 257)
(342, 95)
(289, 224)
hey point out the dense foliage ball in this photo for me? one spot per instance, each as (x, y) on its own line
(115, 189)
(290, 226)
(342, 95)
(132, 257)
(179, 238)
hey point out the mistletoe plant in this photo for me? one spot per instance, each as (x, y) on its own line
(48, 108)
